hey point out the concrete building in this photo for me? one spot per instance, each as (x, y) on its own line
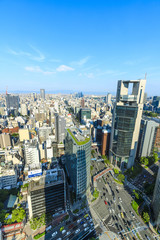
(147, 136)
(44, 133)
(24, 110)
(78, 156)
(126, 121)
(108, 99)
(24, 134)
(156, 200)
(8, 178)
(31, 154)
(5, 140)
(84, 114)
(12, 102)
(105, 142)
(46, 194)
(42, 93)
(60, 124)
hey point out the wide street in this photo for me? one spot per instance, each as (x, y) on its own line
(115, 211)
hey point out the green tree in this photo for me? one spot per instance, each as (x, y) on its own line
(146, 217)
(18, 215)
(121, 177)
(2, 216)
(144, 161)
(155, 157)
(116, 171)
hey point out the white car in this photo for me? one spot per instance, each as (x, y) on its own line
(68, 233)
(78, 221)
(77, 231)
(85, 225)
(64, 231)
(86, 229)
(54, 234)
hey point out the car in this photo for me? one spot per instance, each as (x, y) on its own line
(85, 225)
(113, 217)
(91, 220)
(105, 202)
(86, 229)
(59, 239)
(68, 233)
(114, 199)
(119, 207)
(54, 234)
(120, 227)
(64, 231)
(116, 218)
(78, 221)
(109, 203)
(77, 231)
(91, 224)
(87, 218)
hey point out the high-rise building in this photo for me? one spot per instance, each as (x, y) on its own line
(12, 102)
(82, 103)
(105, 142)
(24, 110)
(46, 194)
(60, 124)
(126, 121)
(108, 99)
(78, 156)
(147, 136)
(31, 154)
(44, 132)
(42, 93)
(156, 200)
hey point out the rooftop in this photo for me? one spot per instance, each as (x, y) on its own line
(78, 137)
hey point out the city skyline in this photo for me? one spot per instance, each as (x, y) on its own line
(83, 46)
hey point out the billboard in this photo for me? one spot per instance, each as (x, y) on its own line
(34, 173)
(12, 227)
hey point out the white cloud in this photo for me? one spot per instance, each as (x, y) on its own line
(37, 69)
(89, 75)
(81, 62)
(36, 55)
(64, 68)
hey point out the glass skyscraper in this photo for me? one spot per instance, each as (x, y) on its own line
(78, 156)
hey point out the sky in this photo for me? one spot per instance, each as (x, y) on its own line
(79, 45)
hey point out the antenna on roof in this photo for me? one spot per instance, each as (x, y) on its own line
(6, 90)
(145, 76)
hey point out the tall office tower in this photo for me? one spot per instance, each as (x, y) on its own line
(156, 200)
(78, 156)
(42, 93)
(82, 102)
(12, 101)
(147, 137)
(24, 110)
(31, 154)
(60, 124)
(105, 142)
(108, 99)
(126, 121)
(46, 194)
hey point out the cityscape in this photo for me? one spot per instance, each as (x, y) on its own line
(79, 120)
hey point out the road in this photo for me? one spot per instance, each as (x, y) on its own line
(128, 226)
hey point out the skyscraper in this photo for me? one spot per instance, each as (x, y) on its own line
(78, 156)
(156, 200)
(42, 93)
(108, 99)
(31, 153)
(12, 102)
(126, 121)
(60, 124)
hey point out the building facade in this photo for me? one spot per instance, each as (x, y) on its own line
(126, 121)
(42, 93)
(8, 178)
(46, 194)
(105, 142)
(78, 156)
(12, 101)
(31, 154)
(60, 124)
(147, 137)
(5, 140)
(156, 200)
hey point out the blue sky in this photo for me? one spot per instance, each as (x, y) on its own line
(78, 45)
